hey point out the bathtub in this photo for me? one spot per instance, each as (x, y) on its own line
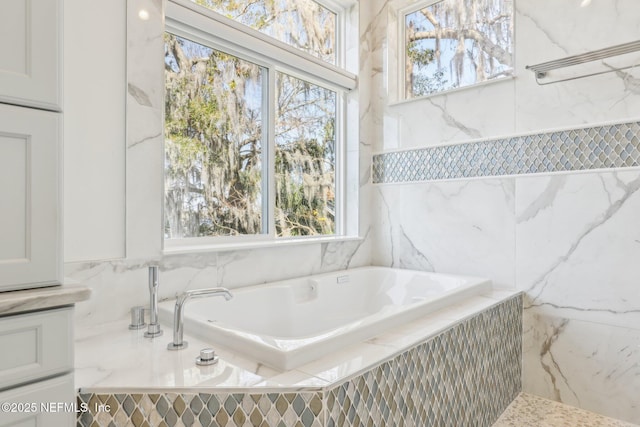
(290, 323)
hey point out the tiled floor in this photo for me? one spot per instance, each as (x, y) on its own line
(533, 411)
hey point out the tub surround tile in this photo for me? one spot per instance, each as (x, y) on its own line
(449, 227)
(465, 376)
(38, 299)
(256, 266)
(433, 382)
(203, 409)
(343, 255)
(119, 285)
(528, 410)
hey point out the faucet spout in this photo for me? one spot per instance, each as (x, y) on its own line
(178, 313)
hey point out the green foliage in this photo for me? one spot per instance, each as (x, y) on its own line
(213, 151)
(419, 55)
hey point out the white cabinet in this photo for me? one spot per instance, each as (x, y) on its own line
(36, 361)
(30, 65)
(45, 404)
(29, 197)
(35, 345)
(36, 353)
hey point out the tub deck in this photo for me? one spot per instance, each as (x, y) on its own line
(112, 358)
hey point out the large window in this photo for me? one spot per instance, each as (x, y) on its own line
(252, 147)
(451, 44)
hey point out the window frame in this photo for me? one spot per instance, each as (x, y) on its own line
(402, 98)
(186, 19)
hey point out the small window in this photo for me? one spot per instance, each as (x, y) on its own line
(303, 24)
(456, 43)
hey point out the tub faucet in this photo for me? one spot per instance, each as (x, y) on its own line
(178, 314)
(153, 330)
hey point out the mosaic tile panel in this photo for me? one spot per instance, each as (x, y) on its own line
(203, 410)
(603, 147)
(466, 376)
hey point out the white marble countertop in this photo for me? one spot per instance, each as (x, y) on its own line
(40, 298)
(111, 358)
(532, 411)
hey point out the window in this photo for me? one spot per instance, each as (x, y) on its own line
(253, 143)
(456, 43)
(303, 24)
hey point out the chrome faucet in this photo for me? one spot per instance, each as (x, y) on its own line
(153, 330)
(178, 314)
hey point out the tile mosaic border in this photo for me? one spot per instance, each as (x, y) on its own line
(601, 147)
(467, 375)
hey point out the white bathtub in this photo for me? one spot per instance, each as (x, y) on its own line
(293, 322)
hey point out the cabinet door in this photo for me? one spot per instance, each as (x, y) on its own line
(29, 198)
(30, 66)
(35, 345)
(50, 403)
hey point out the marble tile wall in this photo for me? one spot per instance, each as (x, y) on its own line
(570, 241)
(119, 285)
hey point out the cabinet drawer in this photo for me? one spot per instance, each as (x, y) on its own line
(48, 403)
(35, 345)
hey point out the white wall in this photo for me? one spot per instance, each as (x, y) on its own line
(94, 129)
(569, 241)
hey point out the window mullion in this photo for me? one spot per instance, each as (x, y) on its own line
(340, 167)
(270, 166)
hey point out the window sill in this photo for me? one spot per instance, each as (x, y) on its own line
(480, 85)
(280, 243)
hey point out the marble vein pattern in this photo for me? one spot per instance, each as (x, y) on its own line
(145, 107)
(577, 245)
(528, 410)
(576, 260)
(569, 242)
(543, 37)
(119, 285)
(450, 227)
(38, 299)
(512, 106)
